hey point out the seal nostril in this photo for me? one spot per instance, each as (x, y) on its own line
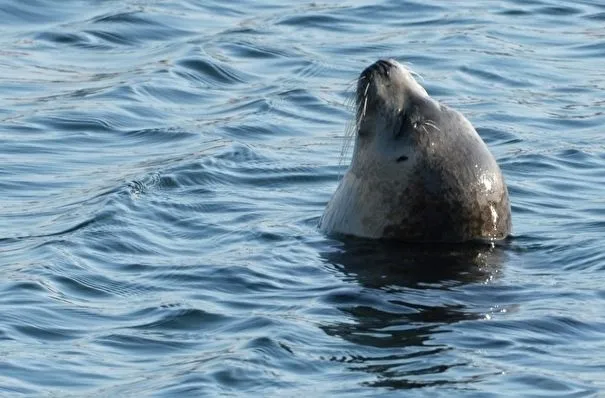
(381, 66)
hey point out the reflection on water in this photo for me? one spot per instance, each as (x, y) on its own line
(382, 265)
(404, 303)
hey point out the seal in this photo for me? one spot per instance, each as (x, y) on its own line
(419, 171)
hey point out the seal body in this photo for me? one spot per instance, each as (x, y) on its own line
(419, 171)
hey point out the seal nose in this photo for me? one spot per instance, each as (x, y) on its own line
(381, 66)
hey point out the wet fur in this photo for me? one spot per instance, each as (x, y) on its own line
(419, 172)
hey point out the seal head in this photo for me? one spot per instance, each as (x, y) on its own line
(419, 171)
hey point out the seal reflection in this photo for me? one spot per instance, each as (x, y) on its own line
(408, 298)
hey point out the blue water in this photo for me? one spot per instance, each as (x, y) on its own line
(163, 168)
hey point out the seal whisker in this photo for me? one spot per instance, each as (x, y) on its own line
(351, 84)
(365, 107)
(348, 138)
(365, 93)
(432, 124)
(416, 74)
(408, 67)
(352, 125)
(361, 110)
(350, 102)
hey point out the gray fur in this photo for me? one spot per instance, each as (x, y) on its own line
(419, 172)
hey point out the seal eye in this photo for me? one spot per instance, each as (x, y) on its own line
(402, 159)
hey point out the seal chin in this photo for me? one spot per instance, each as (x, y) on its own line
(419, 169)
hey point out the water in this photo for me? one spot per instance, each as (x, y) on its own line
(164, 165)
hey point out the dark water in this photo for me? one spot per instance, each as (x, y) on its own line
(164, 164)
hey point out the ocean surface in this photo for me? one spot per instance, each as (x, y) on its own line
(164, 165)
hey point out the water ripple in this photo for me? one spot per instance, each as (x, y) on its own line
(165, 165)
